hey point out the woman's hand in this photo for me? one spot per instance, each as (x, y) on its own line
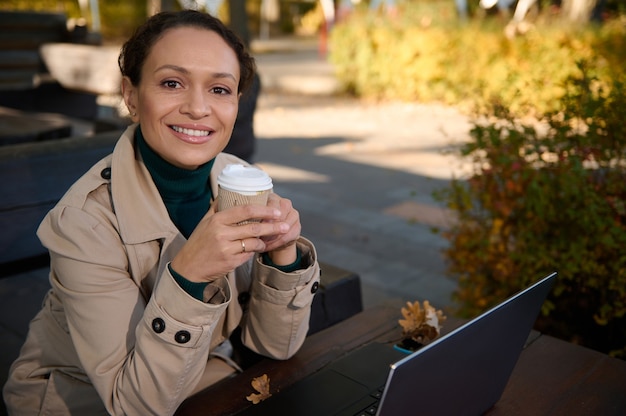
(281, 247)
(218, 244)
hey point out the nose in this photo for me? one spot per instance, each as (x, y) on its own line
(197, 104)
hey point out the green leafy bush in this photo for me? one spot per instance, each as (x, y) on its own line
(548, 196)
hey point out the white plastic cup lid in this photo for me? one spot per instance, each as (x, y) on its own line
(242, 178)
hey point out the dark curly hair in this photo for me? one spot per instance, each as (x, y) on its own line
(136, 49)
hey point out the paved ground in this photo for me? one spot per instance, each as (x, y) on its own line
(360, 174)
(362, 177)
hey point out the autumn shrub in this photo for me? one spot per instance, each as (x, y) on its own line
(548, 196)
(426, 55)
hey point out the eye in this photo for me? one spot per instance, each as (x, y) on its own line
(220, 90)
(171, 84)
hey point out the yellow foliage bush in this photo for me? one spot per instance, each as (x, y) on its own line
(469, 64)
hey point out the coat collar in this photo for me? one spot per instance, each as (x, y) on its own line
(140, 211)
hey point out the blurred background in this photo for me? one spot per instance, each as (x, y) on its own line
(458, 52)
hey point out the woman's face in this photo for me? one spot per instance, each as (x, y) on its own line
(187, 99)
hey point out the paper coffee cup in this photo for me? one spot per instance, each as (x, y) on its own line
(242, 185)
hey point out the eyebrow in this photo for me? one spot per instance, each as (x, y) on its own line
(186, 72)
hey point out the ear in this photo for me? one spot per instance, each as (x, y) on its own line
(129, 93)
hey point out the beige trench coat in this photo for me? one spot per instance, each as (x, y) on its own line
(116, 334)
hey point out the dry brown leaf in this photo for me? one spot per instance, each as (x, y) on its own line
(262, 385)
(421, 324)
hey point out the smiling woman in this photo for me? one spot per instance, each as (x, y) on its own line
(149, 282)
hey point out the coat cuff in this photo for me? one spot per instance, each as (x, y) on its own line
(183, 307)
(295, 288)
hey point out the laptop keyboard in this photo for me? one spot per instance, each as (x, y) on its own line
(372, 408)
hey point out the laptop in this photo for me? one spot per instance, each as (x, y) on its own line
(461, 373)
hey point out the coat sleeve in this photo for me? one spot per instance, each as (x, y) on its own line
(142, 356)
(277, 319)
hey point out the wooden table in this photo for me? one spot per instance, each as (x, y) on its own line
(551, 377)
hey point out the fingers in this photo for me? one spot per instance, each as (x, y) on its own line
(242, 213)
(226, 239)
(273, 200)
(282, 204)
(289, 216)
(249, 245)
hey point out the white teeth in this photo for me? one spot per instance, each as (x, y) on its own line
(190, 132)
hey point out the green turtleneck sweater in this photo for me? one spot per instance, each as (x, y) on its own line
(187, 197)
(186, 193)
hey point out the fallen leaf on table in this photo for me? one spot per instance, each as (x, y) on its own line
(262, 385)
(421, 324)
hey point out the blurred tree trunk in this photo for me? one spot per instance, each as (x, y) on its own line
(155, 6)
(238, 17)
(578, 11)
